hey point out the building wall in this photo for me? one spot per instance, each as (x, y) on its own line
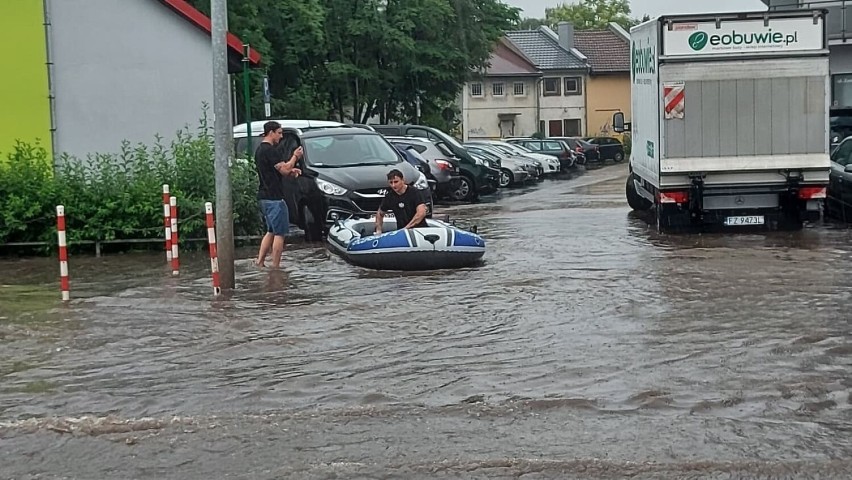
(125, 71)
(24, 89)
(563, 107)
(482, 113)
(840, 67)
(606, 95)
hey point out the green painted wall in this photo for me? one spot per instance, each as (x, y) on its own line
(24, 91)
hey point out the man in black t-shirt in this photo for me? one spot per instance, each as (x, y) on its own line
(270, 194)
(404, 201)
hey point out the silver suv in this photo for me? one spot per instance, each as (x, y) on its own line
(443, 165)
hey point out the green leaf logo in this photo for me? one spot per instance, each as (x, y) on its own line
(698, 40)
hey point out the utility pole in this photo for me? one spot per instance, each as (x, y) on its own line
(247, 93)
(222, 142)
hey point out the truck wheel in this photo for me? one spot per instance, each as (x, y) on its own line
(636, 201)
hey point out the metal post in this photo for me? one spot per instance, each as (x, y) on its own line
(247, 93)
(222, 137)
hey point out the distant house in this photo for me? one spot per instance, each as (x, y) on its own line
(503, 101)
(91, 73)
(562, 89)
(608, 87)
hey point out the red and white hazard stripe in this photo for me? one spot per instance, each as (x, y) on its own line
(211, 240)
(167, 222)
(174, 231)
(674, 97)
(63, 254)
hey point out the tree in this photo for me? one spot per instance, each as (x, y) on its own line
(355, 59)
(529, 23)
(591, 14)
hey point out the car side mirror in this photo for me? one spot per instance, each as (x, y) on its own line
(618, 123)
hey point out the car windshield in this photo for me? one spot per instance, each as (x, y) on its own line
(507, 151)
(349, 151)
(517, 148)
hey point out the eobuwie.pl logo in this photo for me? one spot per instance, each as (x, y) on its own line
(699, 40)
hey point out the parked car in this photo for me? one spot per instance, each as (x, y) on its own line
(240, 132)
(344, 174)
(476, 177)
(443, 165)
(417, 161)
(838, 201)
(578, 145)
(609, 148)
(552, 147)
(549, 163)
(513, 170)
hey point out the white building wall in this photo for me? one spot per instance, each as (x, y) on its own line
(482, 114)
(564, 106)
(125, 70)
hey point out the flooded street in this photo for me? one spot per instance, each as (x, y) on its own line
(585, 346)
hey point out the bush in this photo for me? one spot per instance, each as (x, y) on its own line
(119, 196)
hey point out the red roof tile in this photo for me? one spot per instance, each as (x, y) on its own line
(607, 51)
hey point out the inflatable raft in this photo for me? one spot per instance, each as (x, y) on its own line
(438, 246)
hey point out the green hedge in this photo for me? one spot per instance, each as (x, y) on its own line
(119, 196)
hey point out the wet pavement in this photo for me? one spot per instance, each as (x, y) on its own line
(585, 346)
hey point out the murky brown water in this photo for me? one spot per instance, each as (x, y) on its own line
(586, 346)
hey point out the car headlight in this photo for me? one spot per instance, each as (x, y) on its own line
(421, 183)
(330, 188)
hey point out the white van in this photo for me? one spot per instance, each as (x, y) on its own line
(240, 131)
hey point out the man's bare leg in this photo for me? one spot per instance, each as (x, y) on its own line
(277, 251)
(265, 245)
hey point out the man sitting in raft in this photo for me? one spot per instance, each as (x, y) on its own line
(405, 201)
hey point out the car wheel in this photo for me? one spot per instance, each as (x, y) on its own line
(505, 178)
(313, 229)
(465, 189)
(618, 157)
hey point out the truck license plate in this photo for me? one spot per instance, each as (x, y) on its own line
(746, 220)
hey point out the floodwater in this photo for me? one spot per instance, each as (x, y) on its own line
(585, 346)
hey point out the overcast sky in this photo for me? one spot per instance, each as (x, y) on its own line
(535, 8)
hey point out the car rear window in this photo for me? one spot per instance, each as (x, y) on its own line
(444, 150)
(552, 146)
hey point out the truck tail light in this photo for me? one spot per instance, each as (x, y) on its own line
(678, 196)
(811, 193)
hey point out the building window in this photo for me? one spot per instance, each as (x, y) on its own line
(475, 89)
(551, 87)
(519, 89)
(573, 85)
(841, 90)
(571, 127)
(497, 89)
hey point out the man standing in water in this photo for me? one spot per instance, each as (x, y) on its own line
(404, 201)
(270, 168)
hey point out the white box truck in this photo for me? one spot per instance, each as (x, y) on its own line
(730, 120)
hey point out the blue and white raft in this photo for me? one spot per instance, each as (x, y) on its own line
(438, 246)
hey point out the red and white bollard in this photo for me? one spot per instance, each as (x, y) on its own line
(167, 222)
(174, 231)
(211, 240)
(63, 253)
